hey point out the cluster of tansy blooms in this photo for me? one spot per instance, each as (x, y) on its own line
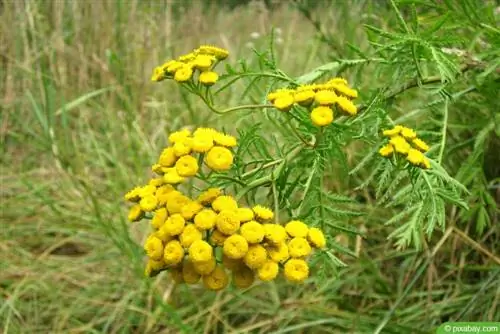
(319, 99)
(206, 237)
(201, 61)
(404, 142)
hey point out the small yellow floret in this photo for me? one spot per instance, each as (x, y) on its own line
(255, 257)
(316, 238)
(245, 214)
(179, 136)
(205, 219)
(420, 145)
(219, 158)
(284, 102)
(296, 228)
(176, 201)
(278, 253)
(346, 105)
(208, 78)
(159, 218)
(203, 62)
(183, 147)
(415, 157)
(202, 143)
(189, 235)
(209, 195)
(224, 139)
(224, 203)
(183, 74)
(408, 133)
(322, 116)
(174, 225)
(393, 132)
(200, 251)
(172, 177)
(218, 238)
(235, 246)
(386, 150)
(275, 234)
(205, 268)
(173, 253)
(148, 203)
(299, 247)
(189, 273)
(262, 212)
(154, 248)
(135, 213)
(344, 90)
(253, 232)
(268, 271)
(304, 97)
(243, 277)
(187, 166)
(296, 270)
(189, 210)
(219, 53)
(133, 195)
(227, 222)
(216, 280)
(400, 144)
(325, 97)
(167, 157)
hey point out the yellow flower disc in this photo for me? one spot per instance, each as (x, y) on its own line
(284, 102)
(296, 270)
(218, 238)
(253, 232)
(179, 136)
(202, 143)
(325, 97)
(135, 213)
(208, 78)
(187, 166)
(243, 277)
(322, 116)
(400, 144)
(216, 280)
(274, 234)
(278, 253)
(426, 164)
(209, 195)
(163, 235)
(189, 210)
(203, 62)
(224, 203)
(159, 218)
(344, 90)
(167, 157)
(183, 74)
(296, 228)
(231, 264)
(183, 147)
(256, 256)
(176, 202)
(205, 219)
(235, 246)
(200, 251)
(346, 105)
(147, 191)
(158, 74)
(245, 214)
(393, 132)
(316, 238)
(162, 193)
(172, 177)
(227, 222)
(148, 203)
(205, 268)
(219, 53)
(408, 133)
(268, 271)
(219, 158)
(299, 247)
(386, 150)
(174, 66)
(173, 253)
(174, 225)
(224, 140)
(153, 268)
(156, 182)
(420, 145)
(189, 235)
(189, 273)
(133, 195)
(154, 248)
(304, 98)
(415, 157)
(262, 212)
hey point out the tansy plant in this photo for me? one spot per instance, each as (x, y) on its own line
(210, 220)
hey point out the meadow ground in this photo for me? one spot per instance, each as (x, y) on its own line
(81, 123)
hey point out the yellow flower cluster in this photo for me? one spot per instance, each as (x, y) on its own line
(201, 60)
(404, 141)
(320, 99)
(178, 162)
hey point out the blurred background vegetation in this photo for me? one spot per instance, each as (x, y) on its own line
(81, 123)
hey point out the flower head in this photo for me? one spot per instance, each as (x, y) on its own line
(216, 280)
(346, 105)
(209, 195)
(205, 219)
(206, 267)
(244, 214)
(420, 145)
(174, 225)
(203, 62)
(296, 270)
(322, 116)
(135, 213)
(386, 150)
(154, 248)
(255, 257)
(179, 136)
(189, 235)
(253, 232)
(219, 158)
(167, 157)
(186, 166)
(262, 212)
(173, 253)
(224, 139)
(325, 97)
(299, 247)
(316, 238)
(148, 203)
(235, 246)
(202, 143)
(304, 97)
(224, 203)
(184, 73)
(208, 78)
(159, 218)
(275, 234)
(200, 251)
(296, 228)
(189, 210)
(243, 277)
(227, 222)
(268, 271)
(400, 144)
(284, 102)
(278, 253)
(189, 273)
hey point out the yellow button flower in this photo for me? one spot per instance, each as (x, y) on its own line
(187, 166)
(219, 158)
(316, 238)
(203, 62)
(209, 195)
(179, 136)
(426, 164)
(243, 277)
(173, 253)
(420, 145)
(176, 201)
(135, 213)
(205, 268)
(167, 157)
(218, 238)
(386, 150)
(408, 133)
(154, 248)
(278, 253)
(189, 235)
(268, 271)
(393, 132)
(275, 234)
(415, 157)
(256, 256)
(158, 74)
(322, 116)
(284, 102)
(325, 97)
(400, 144)
(205, 219)
(133, 195)
(253, 232)
(262, 212)
(159, 218)
(147, 190)
(224, 139)
(163, 235)
(219, 53)
(299, 247)
(227, 222)
(208, 78)
(200, 251)
(235, 247)
(148, 203)
(202, 143)
(189, 210)
(156, 182)
(296, 270)
(174, 225)
(183, 74)
(338, 81)
(173, 67)
(231, 264)
(172, 177)
(245, 214)
(346, 105)
(304, 97)
(183, 147)
(189, 273)
(224, 203)
(153, 268)
(216, 280)
(344, 90)
(296, 228)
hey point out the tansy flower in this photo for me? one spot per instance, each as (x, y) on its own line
(296, 228)
(219, 53)
(202, 143)
(218, 238)
(208, 78)
(299, 247)
(263, 213)
(173, 67)
(159, 218)
(187, 166)
(275, 234)
(244, 214)
(189, 235)
(203, 62)
(344, 90)
(148, 203)
(426, 163)
(224, 140)
(156, 182)
(178, 136)
(216, 280)
(268, 271)
(253, 232)
(163, 235)
(189, 210)
(386, 150)
(158, 74)
(154, 248)
(205, 219)
(200, 251)
(420, 145)
(205, 132)
(135, 213)
(271, 97)
(173, 253)
(322, 116)
(338, 81)
(316, 238)
(227, 222)
(153, 268)
(183, 147)
(296, 270)
(189, 273)
(400, 144)
(231, 264)
(205, 268)
(243, 277)
(157, 168)
(176, 202)
(278, 253)
(256, 256)
(415, 156)
(187, 58)
(346, 105)
(284, 102)
(167, 157)
(235, 246)
(209, 195)
(147, 191)
(393, 132)
(304, 98)
(325, 97)
(133, 195)
(219, 158)
(224, 203)
(172, 177)
(408, 133)
(174, 225)
(183, 74)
